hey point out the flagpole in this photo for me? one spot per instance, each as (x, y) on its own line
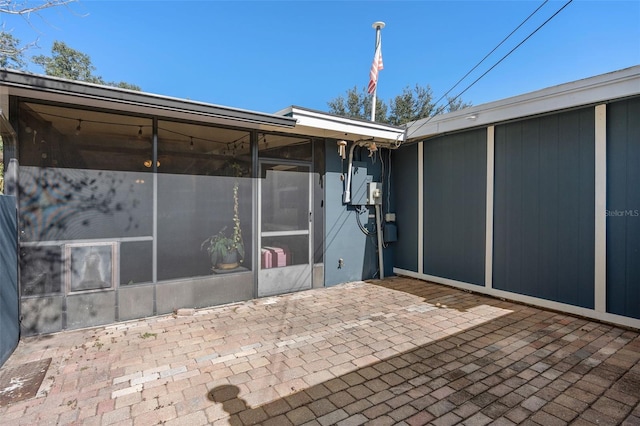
(378, 25)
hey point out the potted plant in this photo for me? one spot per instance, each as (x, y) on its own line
(226, 252)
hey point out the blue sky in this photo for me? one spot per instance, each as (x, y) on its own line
(267, 55)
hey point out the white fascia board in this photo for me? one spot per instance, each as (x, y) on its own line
(599, 89)
(332, 126)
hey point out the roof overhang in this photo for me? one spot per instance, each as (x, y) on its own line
(590, 91)
(320, 124)
(93, 95)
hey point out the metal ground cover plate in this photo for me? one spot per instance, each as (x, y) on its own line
(22, 382)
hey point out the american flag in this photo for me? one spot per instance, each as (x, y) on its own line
(375, 67)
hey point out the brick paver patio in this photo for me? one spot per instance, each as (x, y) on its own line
(398, 351)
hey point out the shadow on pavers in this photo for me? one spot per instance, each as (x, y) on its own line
(227, 395)
(518, 366)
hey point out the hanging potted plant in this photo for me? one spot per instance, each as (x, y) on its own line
(226, 252)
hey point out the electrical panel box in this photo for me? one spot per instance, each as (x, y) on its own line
(374, 193)
(359, 184)
(390, 217)
(390, 233)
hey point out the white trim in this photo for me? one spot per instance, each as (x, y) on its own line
(420, 207)
(284, 233)
(600, 264)
(321, 124)
(488, 266)
(84, 241)
(598, 89)
(520, 298)
(154, 231)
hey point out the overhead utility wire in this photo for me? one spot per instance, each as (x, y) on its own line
(493, 66)
(490, 53)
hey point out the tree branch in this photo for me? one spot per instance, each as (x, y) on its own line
(14, 7)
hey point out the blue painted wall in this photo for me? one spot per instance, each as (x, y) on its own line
(343, 237)
(623, 208)
(9, 301)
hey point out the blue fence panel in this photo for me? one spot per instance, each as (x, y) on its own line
(9, 300)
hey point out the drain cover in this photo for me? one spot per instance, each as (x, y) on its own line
(22, 382)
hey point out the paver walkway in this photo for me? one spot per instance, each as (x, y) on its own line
(398, 351)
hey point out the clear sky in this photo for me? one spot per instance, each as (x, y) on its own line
(267, 55)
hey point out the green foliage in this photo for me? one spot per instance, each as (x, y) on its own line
(11, 53)
(454, 104)
(220, 245)
(412, 104)
(66, 62)
(357, 105)
(124, 85)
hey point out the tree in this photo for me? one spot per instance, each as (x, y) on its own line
(357, 105)
(22, 7)
(10, 50)
(412, 104)
(123, 85)
(11, 53)
(66, 62)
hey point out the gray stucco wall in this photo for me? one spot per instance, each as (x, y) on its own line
(544, 207)
(455, 174)
(9, 302)
(623, 208)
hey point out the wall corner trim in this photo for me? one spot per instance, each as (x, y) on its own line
(600, 255)
(421, 207)
(488, 279)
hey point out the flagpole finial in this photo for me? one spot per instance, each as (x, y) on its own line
(378, 24)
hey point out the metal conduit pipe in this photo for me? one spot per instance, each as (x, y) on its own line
(346, 196)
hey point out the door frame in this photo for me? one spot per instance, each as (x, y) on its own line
(309, 231)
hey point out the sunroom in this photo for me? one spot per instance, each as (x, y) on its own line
(132, 205)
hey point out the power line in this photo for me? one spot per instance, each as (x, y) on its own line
(492, 67)
(493, 50)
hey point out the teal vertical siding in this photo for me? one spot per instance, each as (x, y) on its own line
(544, 193)
(623, 208)
(455, 176)
(405, 195)
(9, 301)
